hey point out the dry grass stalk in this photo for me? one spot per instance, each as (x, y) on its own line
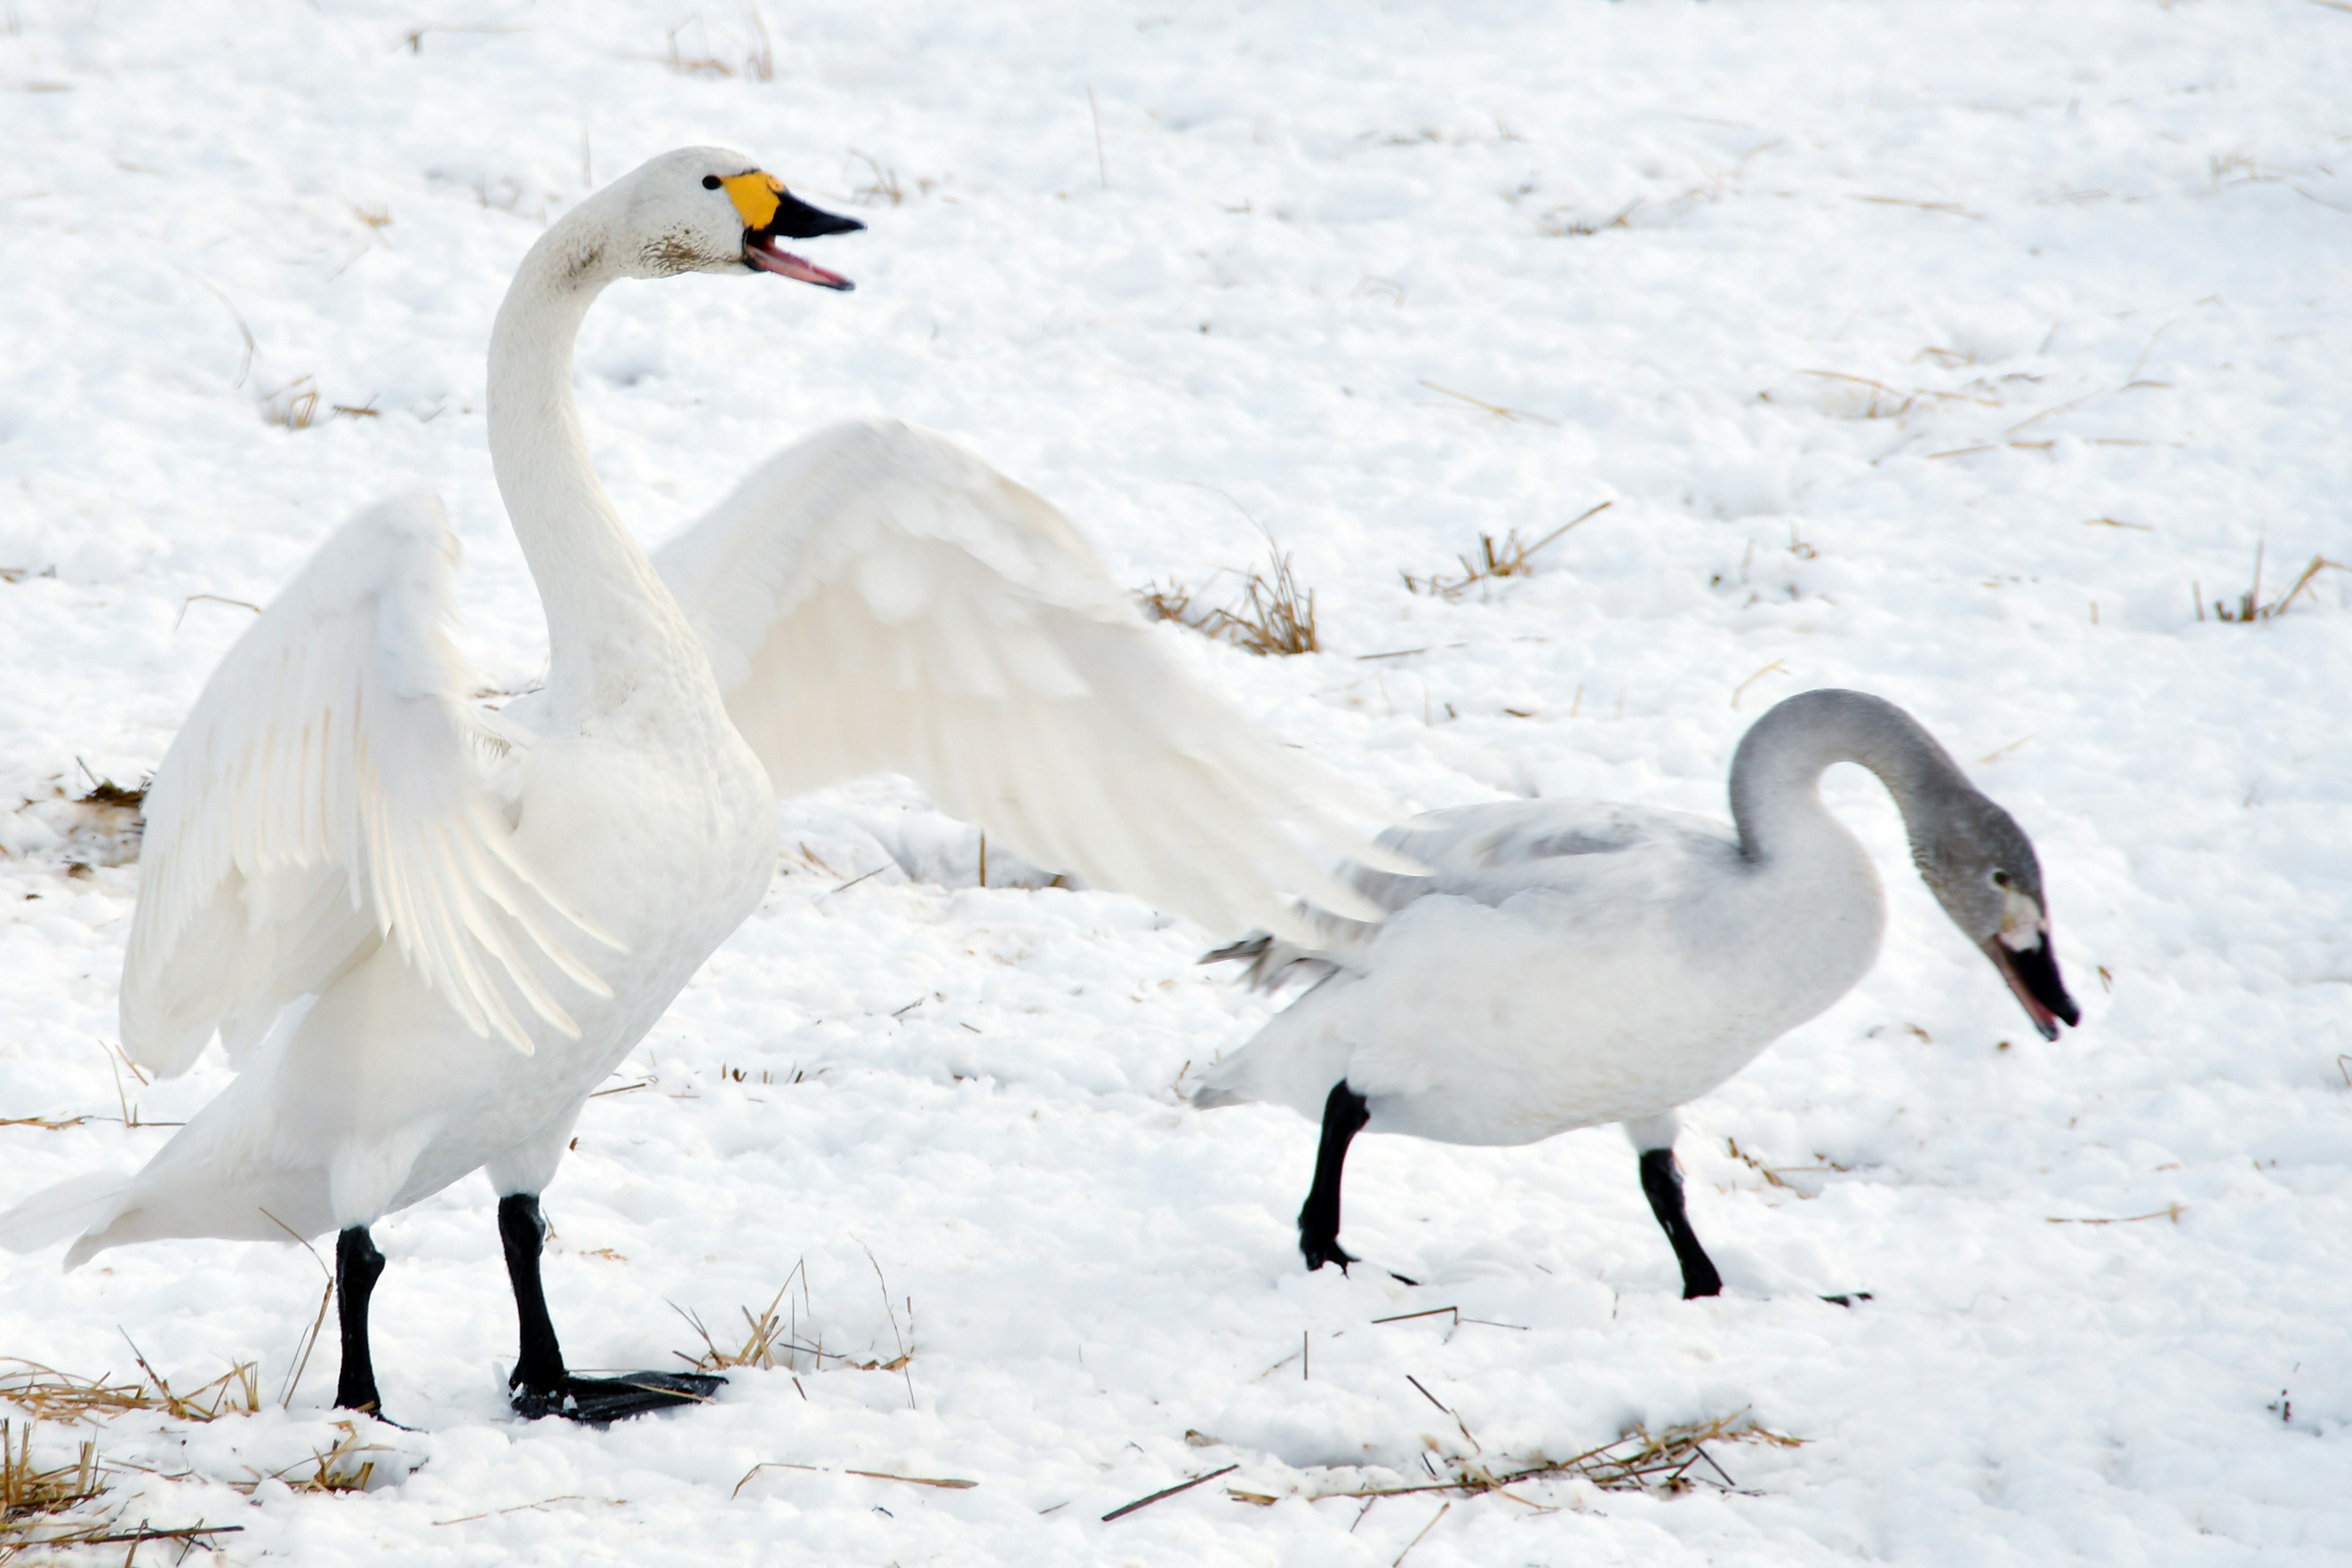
(1273, 617)
(881, 188)
(1510, 558)
(330, 1469)
(1125, 1509)
(294, 406)
(702, 64)
(47, 1394)
(29, 1492)
(37, 1503)
(1822, 1165)
(207, 599)
(906, 1353)
(2169, 1210)
(1558, 224)
(1443, 1510)
(1637, 1461)
(943, 1483)
(2250, 607)
(758, 59)
(767, 1333)
(1500, 411)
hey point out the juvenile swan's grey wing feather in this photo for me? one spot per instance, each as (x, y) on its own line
(877, 598)
(331, 790)
(1486, 853)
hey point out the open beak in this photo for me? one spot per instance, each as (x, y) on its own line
(2032, 975)
(771, 213)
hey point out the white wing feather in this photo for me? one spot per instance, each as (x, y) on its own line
(877, 598)
(332, 790)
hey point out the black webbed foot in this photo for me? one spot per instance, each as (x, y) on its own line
(540, 1384)
(1318, 1251)
(597, 1401)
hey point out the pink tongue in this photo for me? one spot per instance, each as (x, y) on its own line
(784, 264)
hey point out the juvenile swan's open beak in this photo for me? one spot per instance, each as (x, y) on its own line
(769, 212)
(2033, 974)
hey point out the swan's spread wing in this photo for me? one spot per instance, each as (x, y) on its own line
(879, 599)
(331, 790)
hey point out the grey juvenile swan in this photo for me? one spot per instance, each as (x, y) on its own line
(1572, 963)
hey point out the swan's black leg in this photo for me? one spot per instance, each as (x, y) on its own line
(540, 1385)
(523, 1233)
(358, 1266)
(1661, 1182)
(1344, 1115)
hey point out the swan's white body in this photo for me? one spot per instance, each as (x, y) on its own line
(425, 933)
(1567, 964)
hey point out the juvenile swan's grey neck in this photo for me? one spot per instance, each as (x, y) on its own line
(605, 607)
(1776, 774)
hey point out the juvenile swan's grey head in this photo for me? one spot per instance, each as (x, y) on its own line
(1972, 855)
(1982, 869)
(1979, 864)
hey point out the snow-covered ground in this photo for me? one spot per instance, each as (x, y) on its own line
(1947, 351)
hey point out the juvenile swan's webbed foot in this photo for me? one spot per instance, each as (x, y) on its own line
(1344, 1115)
(1661, 1182)
(358, 1266)
(540, 1385)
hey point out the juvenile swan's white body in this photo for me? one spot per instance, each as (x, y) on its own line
(424, 934)
(1567, 964)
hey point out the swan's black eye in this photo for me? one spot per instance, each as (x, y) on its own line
(710, 181)
(2000, 879)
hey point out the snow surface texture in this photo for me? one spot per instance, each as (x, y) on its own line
(1935, 350)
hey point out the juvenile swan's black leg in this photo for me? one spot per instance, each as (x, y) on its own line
(358, 1265)
(1661, 1182)
(538, 1385)
(1344, 1115)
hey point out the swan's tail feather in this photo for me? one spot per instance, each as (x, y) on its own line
(86, 1204)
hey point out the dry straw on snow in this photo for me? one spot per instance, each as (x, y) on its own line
(1272, 617)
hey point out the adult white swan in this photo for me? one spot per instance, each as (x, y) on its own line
(1572, 963)
(425, 933)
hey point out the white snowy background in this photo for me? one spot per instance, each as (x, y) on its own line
(1947, 351)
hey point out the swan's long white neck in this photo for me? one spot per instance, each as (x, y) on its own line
(609, 618)
(1776, 774)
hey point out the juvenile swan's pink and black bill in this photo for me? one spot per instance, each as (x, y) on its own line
(2033, 974)
(769, 212)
